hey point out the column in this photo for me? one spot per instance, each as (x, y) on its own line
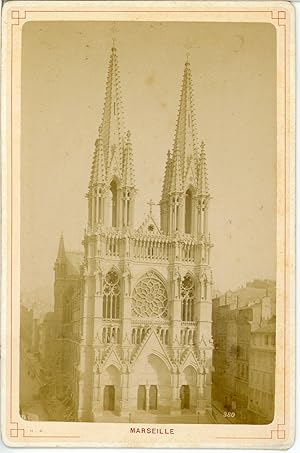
(201, 403)
(131, 215)
(98, 309)
(96, 208)
(147, 397)
(170, 217)
(206, 217)
(119, 208)
(124, 223)
(193, 220)
(105, 208)
(124, 402)
(90, 214)
(175, 408)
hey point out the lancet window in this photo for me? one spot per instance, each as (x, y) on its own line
(111, 296)
(187, 298)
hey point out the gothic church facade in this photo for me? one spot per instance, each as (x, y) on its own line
(133, 312)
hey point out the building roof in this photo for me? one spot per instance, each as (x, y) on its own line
(242, 297)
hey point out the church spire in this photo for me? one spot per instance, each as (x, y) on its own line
(112, 121)
(185, 136)
(61, 254)
(109, 145)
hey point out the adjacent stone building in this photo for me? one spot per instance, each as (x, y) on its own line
(133, 313)
(244, 366)
(262, 373)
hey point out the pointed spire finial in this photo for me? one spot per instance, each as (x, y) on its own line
(187, 58)
(114, 44)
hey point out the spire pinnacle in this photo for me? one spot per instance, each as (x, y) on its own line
(184, 156)
(185, 136)
(127, 167)
(61, 254)
(203, 179)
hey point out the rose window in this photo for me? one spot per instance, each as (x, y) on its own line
(150, 298)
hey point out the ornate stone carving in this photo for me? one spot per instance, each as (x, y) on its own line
(176, 282)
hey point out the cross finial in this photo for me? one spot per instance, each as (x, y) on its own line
(114, 42)
(187, 57)
(151, 204)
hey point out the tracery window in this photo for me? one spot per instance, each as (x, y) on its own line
(187, 298)
(150, 299)
(111, 296)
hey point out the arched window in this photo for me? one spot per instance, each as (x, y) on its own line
(113, 203)
(150, 299)
(111, 296)
(188, 211)
(187, 298)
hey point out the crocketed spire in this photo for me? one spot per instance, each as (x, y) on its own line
(183, 166)
(61, 254)
(109, 154)
(112, 123)
(185, 136)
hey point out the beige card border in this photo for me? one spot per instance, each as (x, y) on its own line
(19, 432)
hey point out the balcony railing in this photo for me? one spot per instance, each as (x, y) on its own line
(147, 248)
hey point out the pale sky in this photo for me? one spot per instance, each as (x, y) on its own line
(64, 68)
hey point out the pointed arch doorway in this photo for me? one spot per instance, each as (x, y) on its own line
(185, 396)
(109, 398)
(153, 398)
(141, 398)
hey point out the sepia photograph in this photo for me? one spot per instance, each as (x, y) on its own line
(158, 310)
(149, 276)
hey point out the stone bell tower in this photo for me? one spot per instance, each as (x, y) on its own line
(184, 219)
